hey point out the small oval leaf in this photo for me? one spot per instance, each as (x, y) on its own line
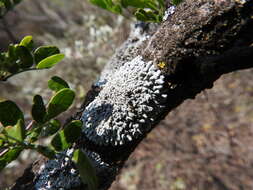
(66, 137)
(27, 41)
(12, 52)
(59, 142)
(60, 102)
(25, 57)
(85, 169)
(16, 132)
(72, 131)
(9, 113)
(46, 151)
(50, 61)
(38, 109)
(9, 156)
(51, 128)
(44, 52)
(57, 83)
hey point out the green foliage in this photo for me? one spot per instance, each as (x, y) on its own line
(9, 156)
(66, 137)
(24, 57)
(110, 5)
(51, 128)
(16, 132)
(21, 57)
(46, 151)
(143, 10)
(44, 52)
(50, 61)
(86, 170)
(27, 42)
(56, 84)
(38, 109)
(7, 5)
(15, 136)
(176, 2)
(59, 103)
(9, 113)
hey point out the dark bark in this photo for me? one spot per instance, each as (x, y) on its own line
(200, 42)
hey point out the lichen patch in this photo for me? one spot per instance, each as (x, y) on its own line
(127, 105)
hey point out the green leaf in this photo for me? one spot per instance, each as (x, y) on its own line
(59, 142)
(25, 57)
(38, 109)
(17, 1)
(10, 59)
(7, 4)
(116, 9)
(56, 84)
(27, 42)
(135, 3)
(161, 3)
(1, 4)
(99, 3)
(12, 52)
(50, 61)
(9, 156)
(108, 5)
(66, 137)
(147, 16)
(46, 151)
(176, 2)
(72, 131)
(60, 102)
(51, 128)
(85, 169)
(44, 52)
(2, 139)
(33, 134)
(16, 132)
(9, 113)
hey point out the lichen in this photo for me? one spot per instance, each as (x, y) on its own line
(58, 174)
(127, 105)
(169, 12)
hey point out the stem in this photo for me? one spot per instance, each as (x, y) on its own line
(29, 126)
(3, 152)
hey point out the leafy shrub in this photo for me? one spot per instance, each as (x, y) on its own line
(15, 135)
(7, 5)
(143, 10)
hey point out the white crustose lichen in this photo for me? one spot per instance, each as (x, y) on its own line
(127, 105)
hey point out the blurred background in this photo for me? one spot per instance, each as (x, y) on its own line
(205, 144)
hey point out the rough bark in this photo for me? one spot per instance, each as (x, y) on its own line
(154, 71)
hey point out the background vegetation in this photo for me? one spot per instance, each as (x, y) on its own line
(174, 155)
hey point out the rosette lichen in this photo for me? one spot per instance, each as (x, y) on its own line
(127, 105)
